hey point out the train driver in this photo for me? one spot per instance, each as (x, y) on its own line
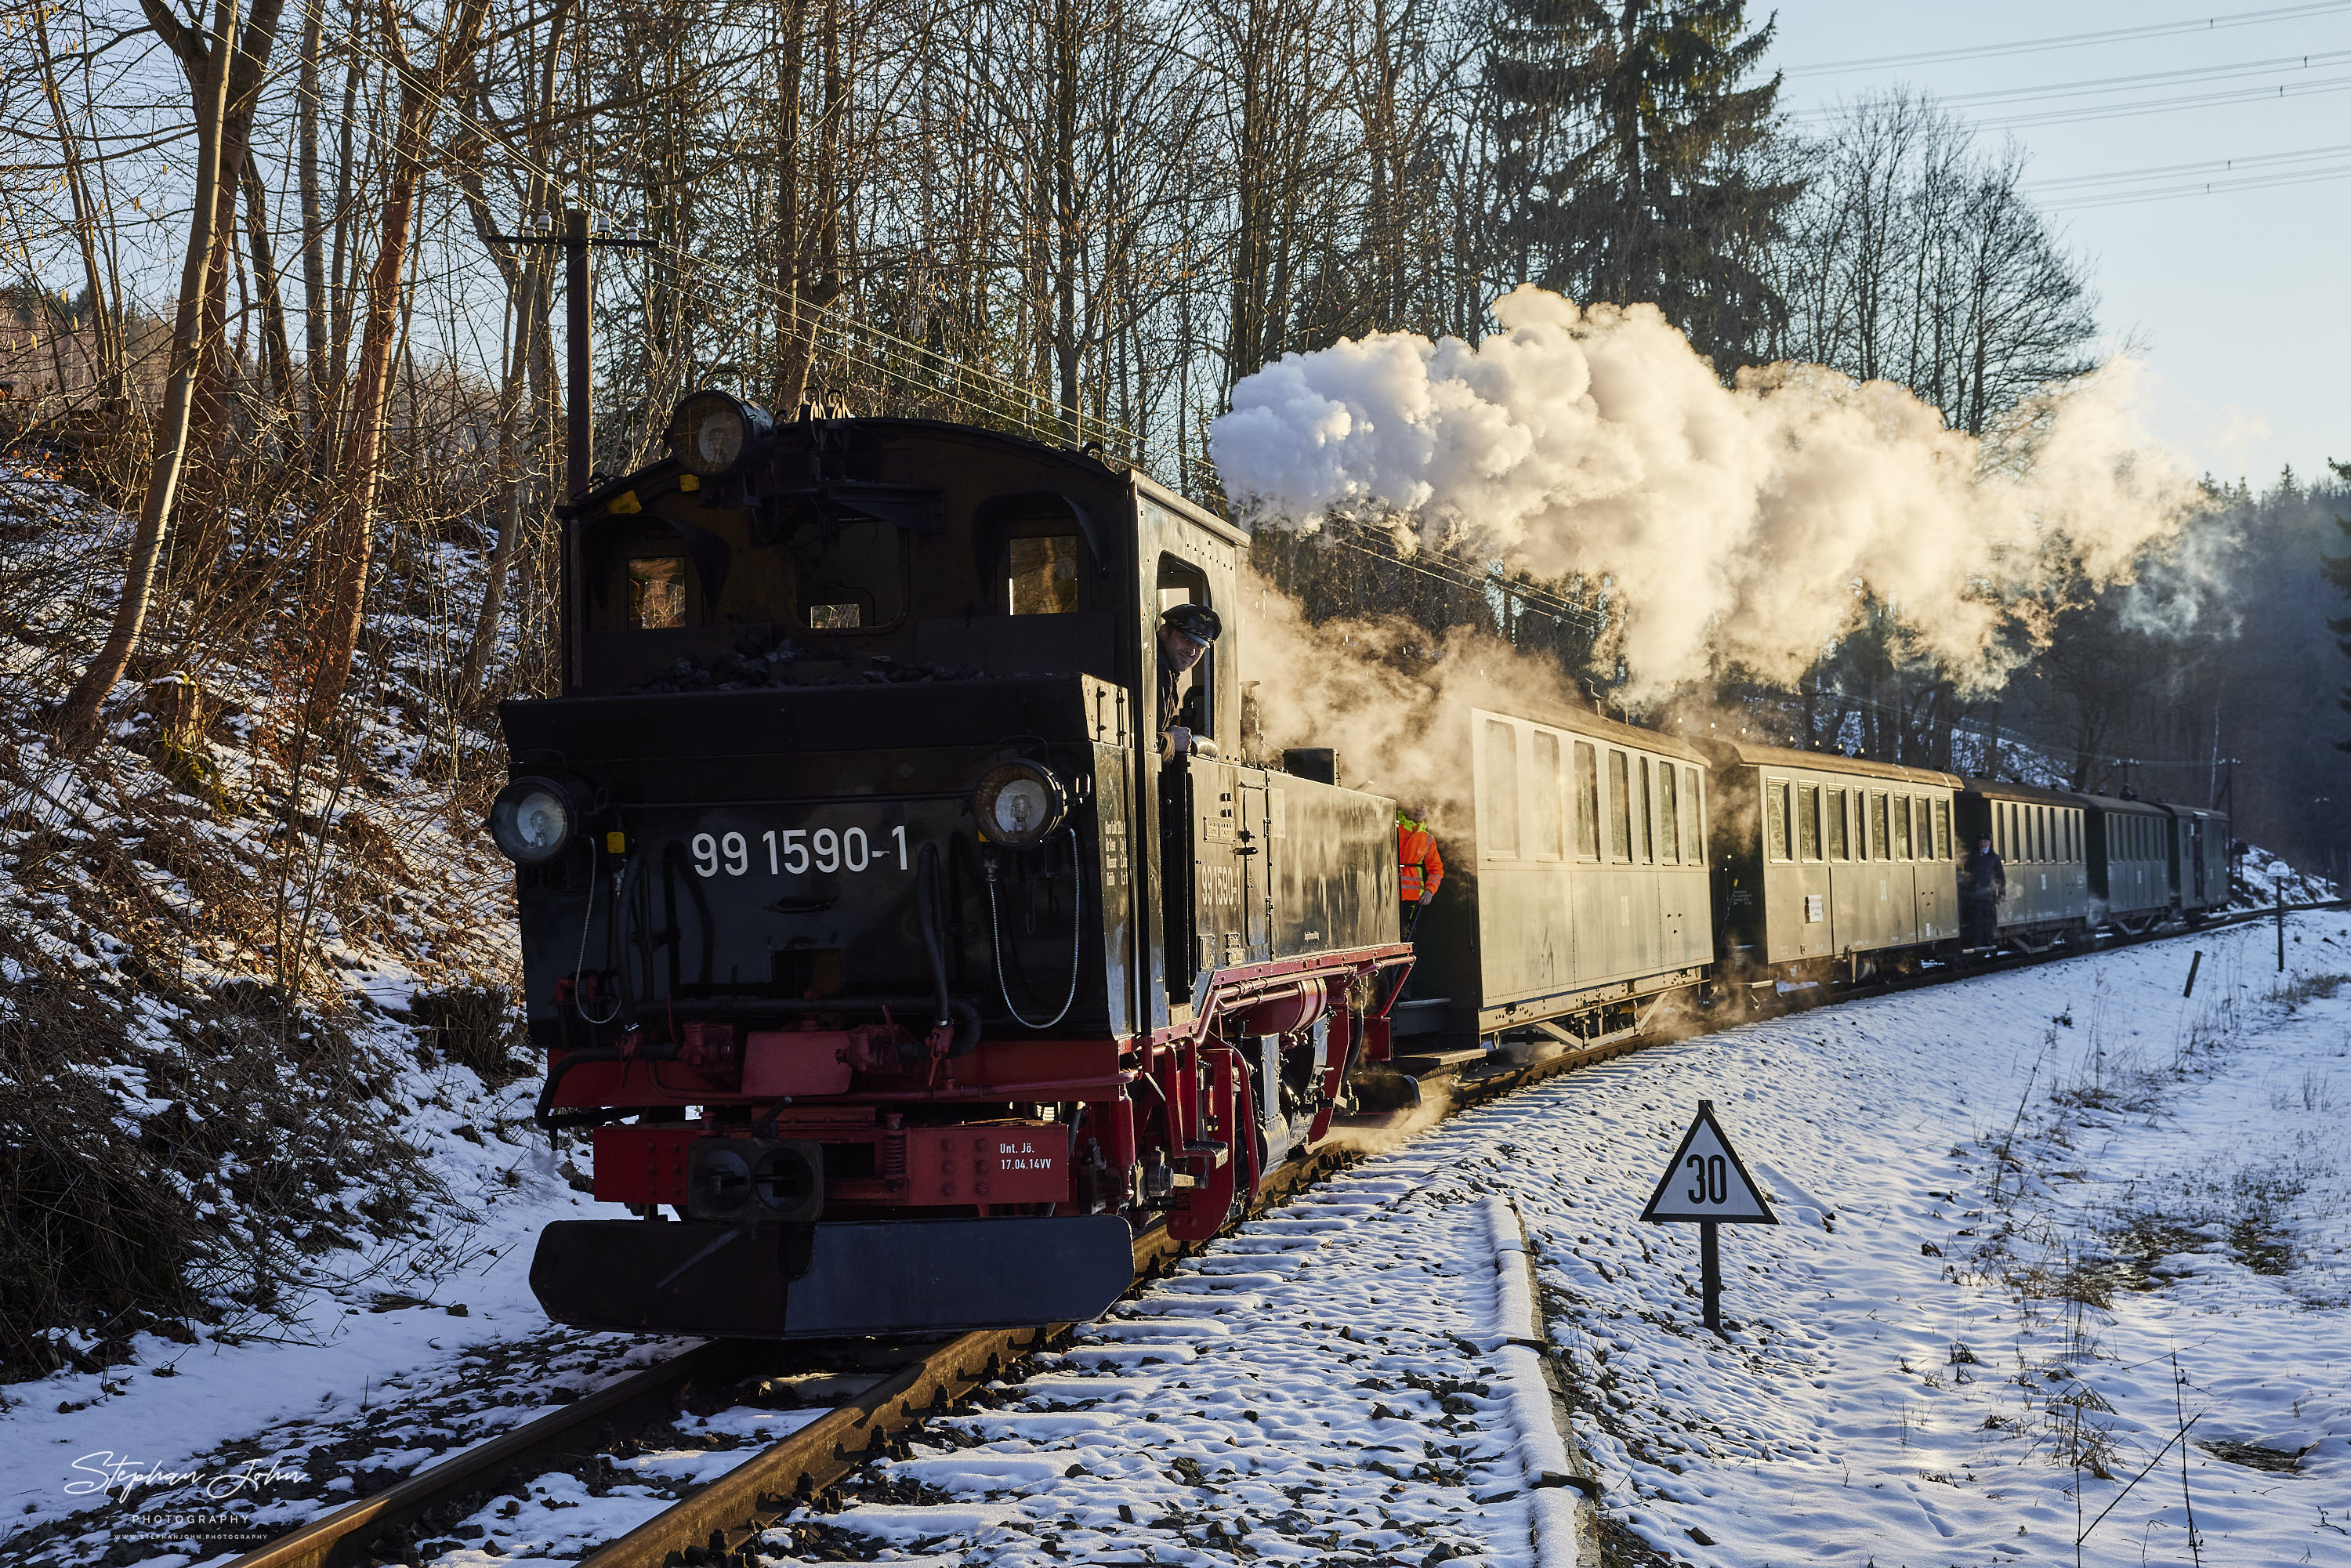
(1420, 870)
(1185, 634)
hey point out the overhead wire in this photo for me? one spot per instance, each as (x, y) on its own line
(1990, 97)
(2076, 40)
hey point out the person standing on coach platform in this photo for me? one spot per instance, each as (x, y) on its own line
(1983, 882)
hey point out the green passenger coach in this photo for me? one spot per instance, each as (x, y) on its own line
(1831, 864)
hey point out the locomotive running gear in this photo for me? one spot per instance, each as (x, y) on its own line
(1420, 869)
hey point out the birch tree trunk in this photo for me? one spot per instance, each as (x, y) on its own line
(350, 541)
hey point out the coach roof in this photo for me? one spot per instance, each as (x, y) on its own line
(1747, 754)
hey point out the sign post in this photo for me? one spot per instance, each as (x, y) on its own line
(1707, 1182)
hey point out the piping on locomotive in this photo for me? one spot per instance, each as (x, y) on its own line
(864, 922)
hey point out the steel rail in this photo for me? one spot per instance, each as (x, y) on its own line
(719, 1525)
(742, 1501)
(573, 1431)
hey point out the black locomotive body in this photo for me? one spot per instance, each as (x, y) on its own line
(863, 919)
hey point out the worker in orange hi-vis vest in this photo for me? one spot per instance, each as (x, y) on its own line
(1420, 869)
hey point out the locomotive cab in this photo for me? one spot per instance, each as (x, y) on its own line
(864, 928)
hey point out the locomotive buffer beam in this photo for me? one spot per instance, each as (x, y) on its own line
(770, 1281)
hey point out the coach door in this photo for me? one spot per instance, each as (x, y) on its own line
(1253, 854)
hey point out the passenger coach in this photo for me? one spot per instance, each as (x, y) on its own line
(2043, 847)
(2129, 875)
(1575, 893)
(1829, 866)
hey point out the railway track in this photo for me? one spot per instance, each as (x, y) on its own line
(900, 1386)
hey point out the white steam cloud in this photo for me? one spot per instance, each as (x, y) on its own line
(1736, 524)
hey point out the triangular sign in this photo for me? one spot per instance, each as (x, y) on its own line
(1706, 1181)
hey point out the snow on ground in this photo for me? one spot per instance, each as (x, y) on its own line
(264, 1432)
(1325, 1387)
(2007, 1205)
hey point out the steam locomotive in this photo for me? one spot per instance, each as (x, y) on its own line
(867, 932)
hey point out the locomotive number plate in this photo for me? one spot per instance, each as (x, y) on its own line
(795, 852)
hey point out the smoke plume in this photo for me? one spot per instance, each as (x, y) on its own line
(1734, 525)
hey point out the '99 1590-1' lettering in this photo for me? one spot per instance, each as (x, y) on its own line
(795, 852)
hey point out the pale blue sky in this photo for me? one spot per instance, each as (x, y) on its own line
(2238, 297)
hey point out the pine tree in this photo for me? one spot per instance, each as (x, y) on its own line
(2337, 572)
(1629, 160)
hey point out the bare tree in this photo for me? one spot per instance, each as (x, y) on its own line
(78, 720)
(349, 535)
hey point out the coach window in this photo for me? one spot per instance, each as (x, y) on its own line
(1901, 804)
(1878, 836)
(1587, 802)
(1550, 839)
(1942, 829)
(1807, 822)
(1775, 818)
(1836, 825)
(1620, 806)
(1647, 834)
(1499, 828)
(1670, 817)
(1693, 838)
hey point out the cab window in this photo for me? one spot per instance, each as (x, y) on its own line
(850, 576)
(1670, 817)
(1550, 826)
(1499, 826)
(1620, 805)
(656, 592)
(1042, 575)
(1648, 814)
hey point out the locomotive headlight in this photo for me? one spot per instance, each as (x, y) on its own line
(533, 820)
(1018, 803)
(711, 434)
